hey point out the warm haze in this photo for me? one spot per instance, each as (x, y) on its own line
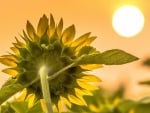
(88, 16)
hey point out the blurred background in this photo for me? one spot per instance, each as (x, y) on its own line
(88, 16)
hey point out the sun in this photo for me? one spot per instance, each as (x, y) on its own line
(128, 21)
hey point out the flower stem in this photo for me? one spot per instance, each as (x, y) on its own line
(45, 89)
(45, 83)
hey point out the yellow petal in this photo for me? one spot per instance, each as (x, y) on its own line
(11, 57)
(94, 109)
(59, 106)
(80, 96)
(84, 92)
(51, 28)
(86, 85)
(80, 40)
(19, 44)
(116, 101)
(43, 105)
(30, 30)
(87, 42)
(31, 100)
(90, 66)
(8, 62)
(15, 50)
(60, 27)
(65, 101)
(22, 95)
(90, 78)
(75, 100)
(132, 110)
(68, 35)
(42, 26)
(10, 72)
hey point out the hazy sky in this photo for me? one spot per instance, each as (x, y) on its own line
(87, 15)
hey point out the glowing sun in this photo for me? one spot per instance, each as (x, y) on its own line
(128, 21)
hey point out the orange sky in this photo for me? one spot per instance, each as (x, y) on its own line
(87, 15)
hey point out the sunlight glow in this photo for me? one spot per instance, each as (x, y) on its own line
(128, 21)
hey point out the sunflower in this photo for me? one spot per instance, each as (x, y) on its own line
(54, 48)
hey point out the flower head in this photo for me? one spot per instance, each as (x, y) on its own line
(54, 48)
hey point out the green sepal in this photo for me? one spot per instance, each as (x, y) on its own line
(34, 49)
(44, 40)
(68, 51)
(24, 53)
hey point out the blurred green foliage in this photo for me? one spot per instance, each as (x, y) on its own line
(102, 102)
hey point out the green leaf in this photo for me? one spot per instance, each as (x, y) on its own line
(126, 105)
(20, 107)
(145, 100)
(145, 82)
(9, 89)
(147, 62)
(118, 94)
(110, 57)
(6, 109)
(142, 108)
